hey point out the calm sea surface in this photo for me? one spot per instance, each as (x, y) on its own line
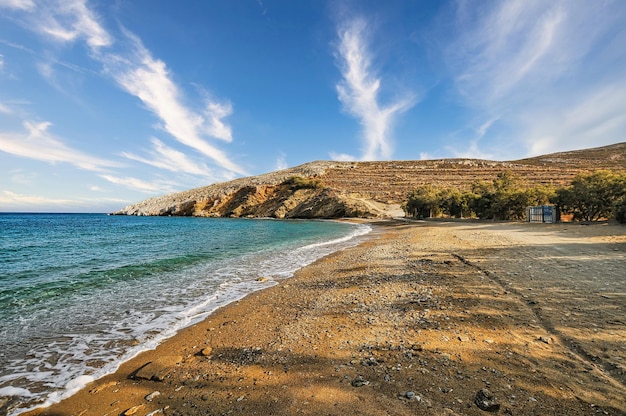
(81, 293)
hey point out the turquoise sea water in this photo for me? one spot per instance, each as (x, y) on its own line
(81, 293)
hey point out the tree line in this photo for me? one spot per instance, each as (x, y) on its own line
(589, 197)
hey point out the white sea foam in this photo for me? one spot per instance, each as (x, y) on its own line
(15, 391)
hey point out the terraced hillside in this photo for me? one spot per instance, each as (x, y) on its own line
(365, 189)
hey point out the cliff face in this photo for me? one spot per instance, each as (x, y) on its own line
(283, 201)
(363, 189)
(274, 201)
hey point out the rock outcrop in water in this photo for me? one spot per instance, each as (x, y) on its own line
(363, 189)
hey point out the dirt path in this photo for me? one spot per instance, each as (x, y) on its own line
(436, 318)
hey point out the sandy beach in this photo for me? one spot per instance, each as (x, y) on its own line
(425, 318)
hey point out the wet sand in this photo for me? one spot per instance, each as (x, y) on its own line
(432, 318)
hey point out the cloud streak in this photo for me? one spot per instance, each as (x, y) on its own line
(17, 4)
(8, 198)
(164, 157)
(37, 143)
(281, 162)
(148, 79)
(541, 75)
(63, 21)
(159, 186)
(4, 109)
(359, 92)
(138, 73)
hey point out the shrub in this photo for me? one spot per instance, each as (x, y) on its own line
(620, 211)
(423, 202)
(299, 182)
(592, 196)
(504, 198)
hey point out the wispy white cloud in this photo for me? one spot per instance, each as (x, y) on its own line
(484, 127)
(14, 201)
(281, 162)
(63, 21)
(46, 71)
(4, 109)
(165, 157)
(473, 151)
(543, 68)
(18, 4)
(138, 73)
(507, 45)
(39, 144)
(70, 20)
(359, 91)
(592, 120)
(342, 157)
(17, 45)
(214, 124)
(22, 177)
(10, 199)
(149, 80)
(262, 6)
(158, 186)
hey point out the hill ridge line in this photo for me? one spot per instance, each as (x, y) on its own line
(371, 189)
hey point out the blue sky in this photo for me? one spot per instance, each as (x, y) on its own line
(105, 103)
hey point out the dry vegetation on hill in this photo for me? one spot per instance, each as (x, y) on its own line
(366, 189)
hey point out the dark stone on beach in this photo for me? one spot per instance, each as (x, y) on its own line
(369, 361)
(486, 401)
(359, 381)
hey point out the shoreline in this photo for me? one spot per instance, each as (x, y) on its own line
(410, 320)
(276, 269)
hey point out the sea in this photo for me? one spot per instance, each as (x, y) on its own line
(82, 293)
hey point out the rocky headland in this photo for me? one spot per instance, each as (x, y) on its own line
(325, 189)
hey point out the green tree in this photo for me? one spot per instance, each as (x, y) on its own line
(500, 199)
(452, 203)
(422, 202)
(619, 210)
(480, 199)
(509, 201)
(541, 195)
(592, 196)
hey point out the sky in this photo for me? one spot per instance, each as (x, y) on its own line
(107, 103)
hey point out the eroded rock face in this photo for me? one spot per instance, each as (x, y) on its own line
(278, 201)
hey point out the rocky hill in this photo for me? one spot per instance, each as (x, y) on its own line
(326, 189)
